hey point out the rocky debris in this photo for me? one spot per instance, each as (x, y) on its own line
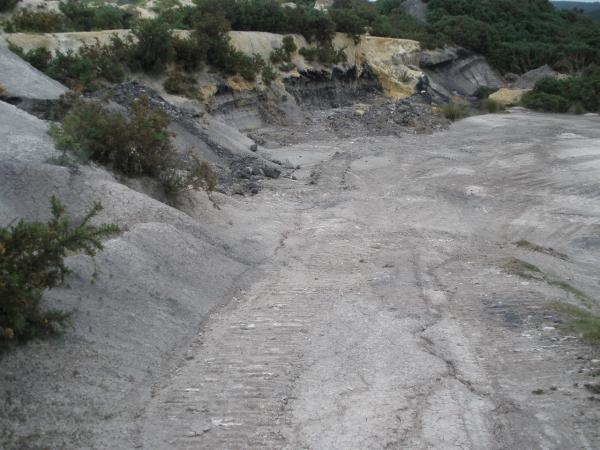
(529, 79)
(411, 115)
(456, 72)
(27, 87)
(232, 154)
(324, 89)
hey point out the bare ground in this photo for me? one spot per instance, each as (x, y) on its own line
(384, 318)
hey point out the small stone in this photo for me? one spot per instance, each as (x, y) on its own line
(253, 147)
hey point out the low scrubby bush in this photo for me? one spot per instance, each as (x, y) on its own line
(36, 21)
(454, 111)
(491, 106)
(76, 16)
(284, 53)
(542, 101)
(578, 93)
(82, 17)
(87, 68)
(137, 144)
(324, 54)
(134, 146)
(32, 258)
(179, 83)
(154, 46)
(268, 75)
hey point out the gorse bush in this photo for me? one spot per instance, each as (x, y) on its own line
(137, 144)
(134, 145)
(32, 258)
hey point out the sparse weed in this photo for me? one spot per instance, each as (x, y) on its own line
(454, 111)
(516, 266)
(580, 321)
(179, 83)
(491, 106)
(523, 243)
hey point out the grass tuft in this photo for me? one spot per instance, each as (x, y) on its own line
(454, 112)
(523, 243)
(516, 266)
(579, 321)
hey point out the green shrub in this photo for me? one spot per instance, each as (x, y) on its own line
(32, 258)
(454, 112)
(86, 69)
(517, 35)
(199, 177)
(154, 47)
(284, 53)
(7, 5)
(289, 45)
(190, 54)
(37, 21)
(134, 145)
(2, 91)
(268, 75)
(349, 22)
(39, 58)
(541, 101)
(324, 54)
(82, 17)
(179, 83)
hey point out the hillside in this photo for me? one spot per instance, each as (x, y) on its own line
(587, 7)
(253, 224)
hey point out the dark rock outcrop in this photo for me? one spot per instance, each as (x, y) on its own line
(456, 72)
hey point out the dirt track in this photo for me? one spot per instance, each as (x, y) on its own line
(384, 319)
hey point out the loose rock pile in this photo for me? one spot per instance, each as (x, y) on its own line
(412, 115)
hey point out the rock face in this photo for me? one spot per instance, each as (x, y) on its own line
(26, 86)
(24, 137)
(529, 79)
(456, 71)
